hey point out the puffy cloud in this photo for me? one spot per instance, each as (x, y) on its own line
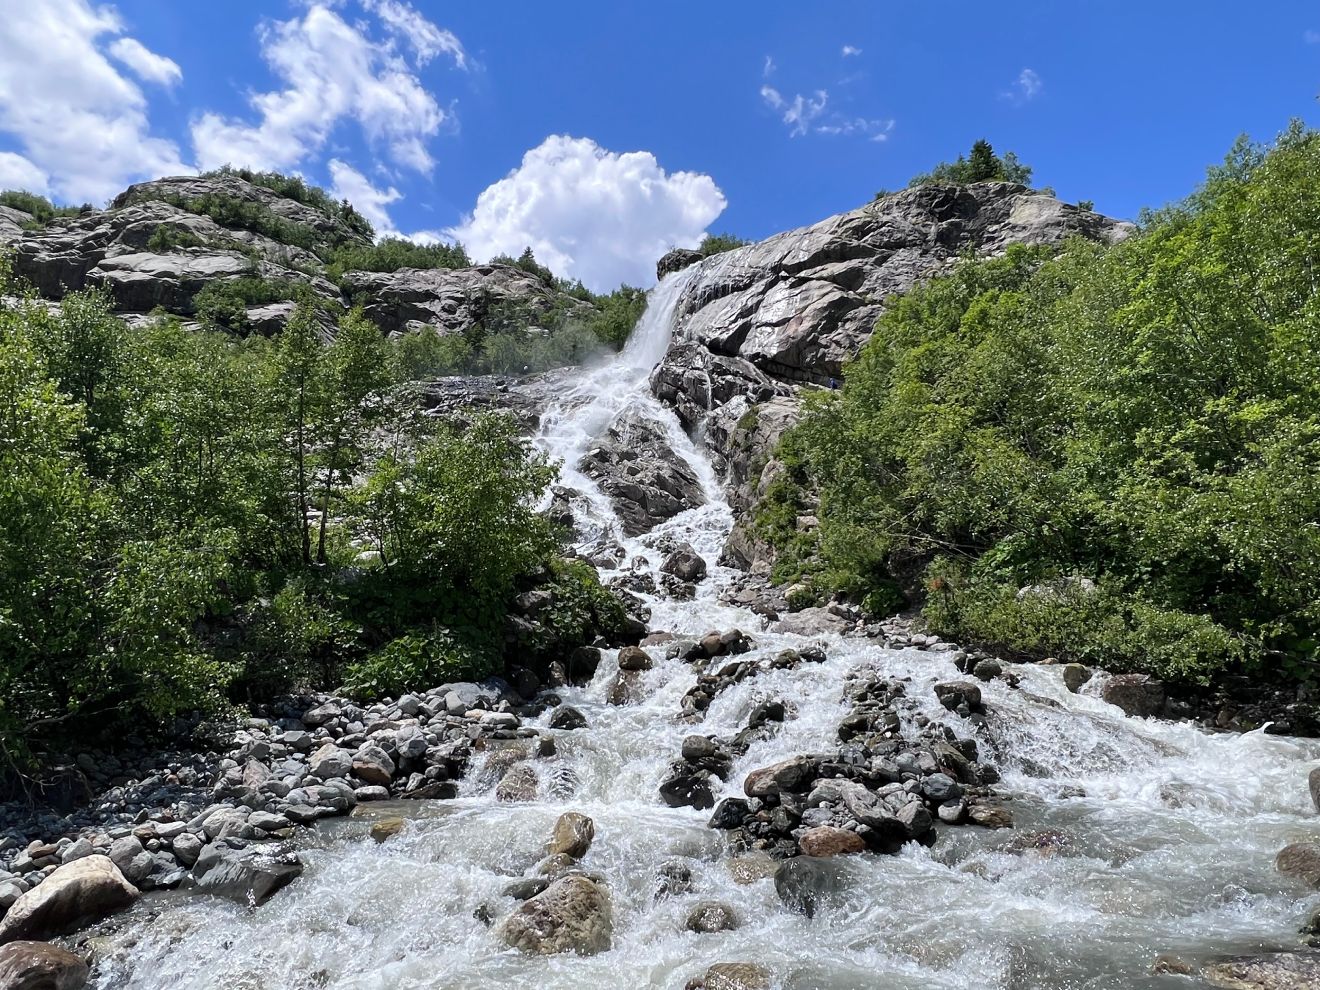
(146, 64)
(591, 214)
(348, 183)
(333, 72)
(850, 50)
(1026, 88)
(426, 39)
(16, 172)
(75, 117)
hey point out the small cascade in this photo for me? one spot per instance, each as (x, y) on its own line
(1165, 834)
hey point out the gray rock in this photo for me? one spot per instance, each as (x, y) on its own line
(685, 564)
(84, 890)
(573, 914)
(40, 966)
(806, 883)
(186, 847)
(373, 765)
(1137, 694)
(572, 836)
(330, 761)
(707, 917)
(1276, 971)
(249, 876)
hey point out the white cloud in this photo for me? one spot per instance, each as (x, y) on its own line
(146, 64)
(591, 214)
(799, 112)
(1027, 87)
(408, 25)
(348, 183)
(333, 72)
(74, 116)
(1311, 37)
(875, 129)
(16, 172)
(768, 69)
(849, 50)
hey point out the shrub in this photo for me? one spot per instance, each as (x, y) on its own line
(1144, 415)
(222, 305)
(43, 210)
(392, 253)
(167, 238)
(417, 660)
(980, 165)
(719, 243)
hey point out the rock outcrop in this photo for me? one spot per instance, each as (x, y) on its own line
(646, 480)
(86, 889)
(756, 323)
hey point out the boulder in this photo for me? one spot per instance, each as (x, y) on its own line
(1313, 784)
(956, 695)
(373, 765)
(685, 564)
(634, 658)
(248, 875)
(806, 883)
(824, 841)
(572, 835)
(1300, 860)
(1272, 971)
(1075, 675)
(386, 828)
(40, 966)
(792, 775)
(567, 717)
(736, 976)
(519, 783)
(676, 260)
(707, 917)
(1137, 694)
(813, 622)
(573, 914)
(643, 476)
(330, 762)
(82, 891)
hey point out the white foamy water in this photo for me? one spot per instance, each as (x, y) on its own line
(1170, 832)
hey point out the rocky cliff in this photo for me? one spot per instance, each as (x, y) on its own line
(758, 324)
(160, 243)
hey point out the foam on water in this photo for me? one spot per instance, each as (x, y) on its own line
(1170, 831)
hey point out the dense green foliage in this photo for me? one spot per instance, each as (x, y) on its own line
(981, 164)
(719, 243)
(222, 304)
(43, 210)
(293, 187)
(187, 518)
(1145, 417)
(166, 238)
(392, 253)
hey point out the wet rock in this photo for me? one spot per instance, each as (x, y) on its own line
(792, 775)
(673, 879)
(1167, 962)
(750, 868)
(1277, 971)
(989, 815)
(676, 260)
(386, 828)
(625, 689)
(642, 475)
(959, 696)
(248, 876)
(573, 914)
(1138, 695)
(1075, 675)
(813, 622)
(1300, 860)
(634, 658)
(736, 976)
(526, 888)
(1313, 784)
(519, 783)
(824, 841)
(687, 786)
(84, 890)
(40, 966)
(373, 765)
(572, 835)
(708, 917)
(685, 564)
(987, 670)
(730, 813)
(567, 717)
(806, 883)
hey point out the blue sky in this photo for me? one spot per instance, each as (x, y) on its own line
(602, 133)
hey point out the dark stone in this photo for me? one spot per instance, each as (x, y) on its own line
(805, 883)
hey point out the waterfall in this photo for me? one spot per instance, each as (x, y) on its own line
(1170, 830)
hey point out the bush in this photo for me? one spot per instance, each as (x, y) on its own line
(1143, 415)
(392, 253)
(166, 238)
(719, 243)
(293, 187)
(417, 660)
(222, 305)
(980, 165)
(43, 210)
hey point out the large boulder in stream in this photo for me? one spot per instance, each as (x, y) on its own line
(573, 914)
(1137, 694)
(634, 464)
(40, 966)
(85, 890)
(1272, 971)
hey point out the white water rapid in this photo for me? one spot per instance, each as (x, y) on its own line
(1171, 831)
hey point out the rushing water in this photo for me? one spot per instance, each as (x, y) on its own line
(1165, 833)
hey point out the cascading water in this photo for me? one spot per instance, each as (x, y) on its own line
(1170, 831)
